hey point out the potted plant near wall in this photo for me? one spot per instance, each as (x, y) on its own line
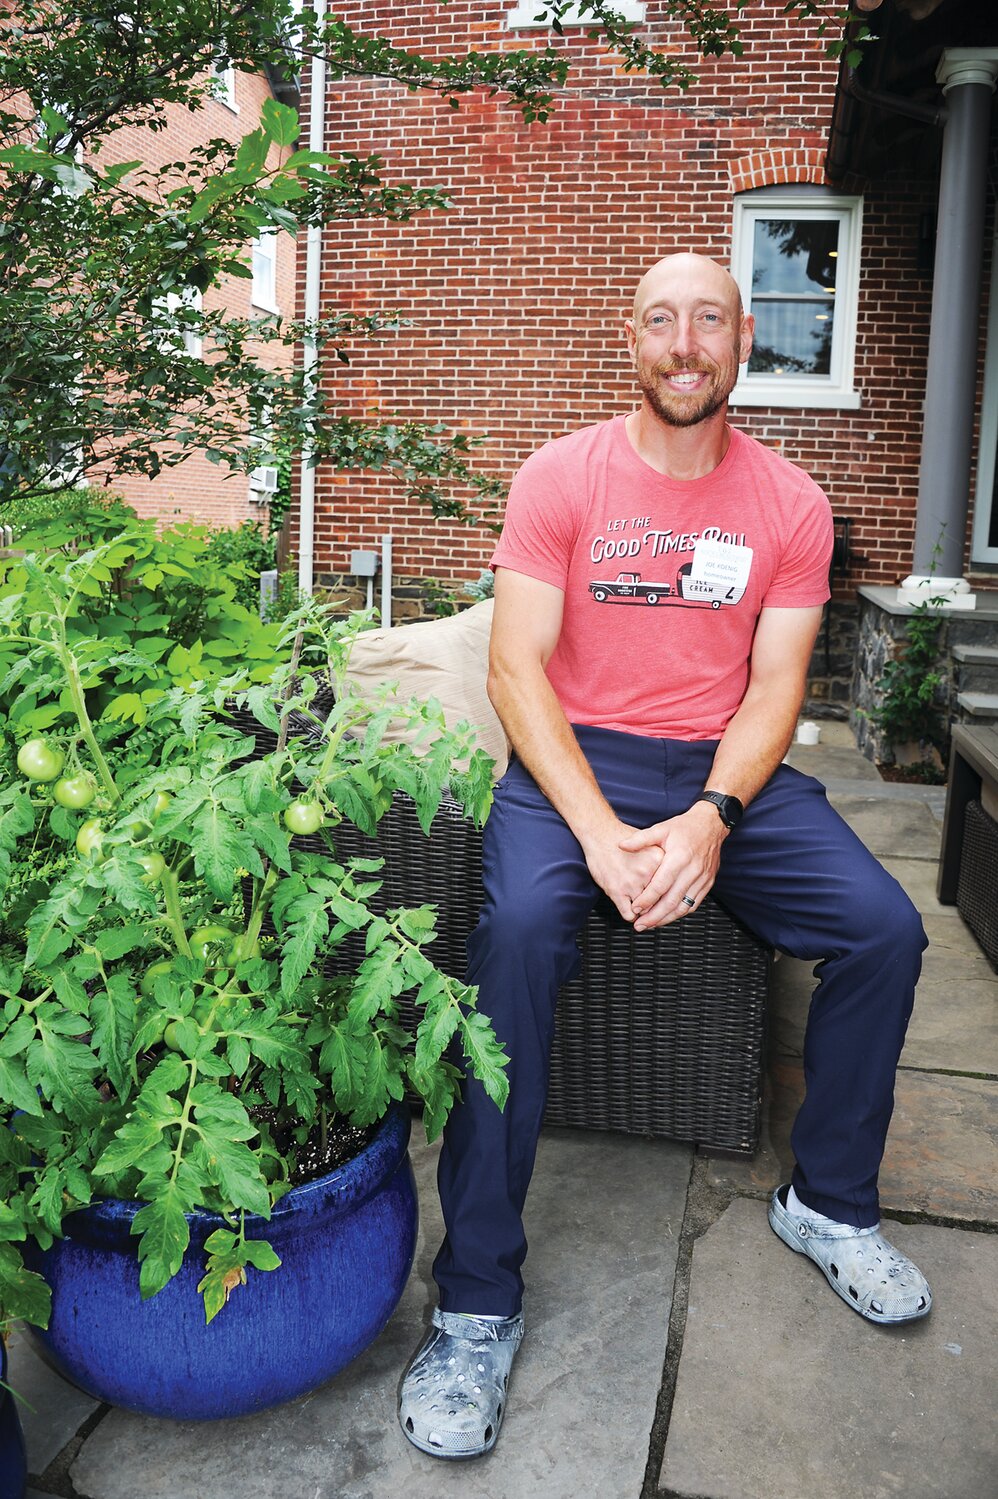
(182, 1068)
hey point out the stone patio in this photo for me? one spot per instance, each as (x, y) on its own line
(675, 1347)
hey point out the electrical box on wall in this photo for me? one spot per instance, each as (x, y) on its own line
(364, 564)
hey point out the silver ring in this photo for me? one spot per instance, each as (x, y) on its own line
(688, 902)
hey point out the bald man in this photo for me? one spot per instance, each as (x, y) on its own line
(659, 586)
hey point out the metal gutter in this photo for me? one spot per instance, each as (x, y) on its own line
(310, 352)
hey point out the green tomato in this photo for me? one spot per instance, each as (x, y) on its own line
(153, 864)
(170, 1038)
(205, 937)
(152, 973)
(75, 792)
(90, 838)
(301, 817)
(240, 953)
(163, 800)
(38, 761)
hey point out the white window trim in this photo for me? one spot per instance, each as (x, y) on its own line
(801, 392)
(980, 551)
(258, 297)
(225, 86)
(523, 16)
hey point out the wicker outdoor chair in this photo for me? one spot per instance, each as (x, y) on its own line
(662, 1033)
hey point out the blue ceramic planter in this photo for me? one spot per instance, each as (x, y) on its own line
(13, 1463)
(346, 1244)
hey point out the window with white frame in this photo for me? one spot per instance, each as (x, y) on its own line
(264, 266)
(183, 311)
(796, 258)
(530, 15)
(225, 85)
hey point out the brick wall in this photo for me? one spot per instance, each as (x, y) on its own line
(518, 294)
(196, 489)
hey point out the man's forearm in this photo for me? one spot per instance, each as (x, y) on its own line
(543, 739)
(754, 743)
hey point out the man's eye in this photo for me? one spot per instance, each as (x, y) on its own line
(659, 320)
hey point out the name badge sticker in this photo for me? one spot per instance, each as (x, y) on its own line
(720, 571)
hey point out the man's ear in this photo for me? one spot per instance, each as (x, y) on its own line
(632, 338)
(745, 337)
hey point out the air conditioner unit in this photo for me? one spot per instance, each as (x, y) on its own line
(263, 483)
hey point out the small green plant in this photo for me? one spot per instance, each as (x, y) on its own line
(176, 1026)
(908, 712)
(244, 552)
(483, 587)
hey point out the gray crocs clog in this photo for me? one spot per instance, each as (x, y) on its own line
(453, 1393)
(858, 1263)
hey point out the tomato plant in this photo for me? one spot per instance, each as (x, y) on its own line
(165, 964)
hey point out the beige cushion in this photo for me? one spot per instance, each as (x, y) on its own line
(443, 658)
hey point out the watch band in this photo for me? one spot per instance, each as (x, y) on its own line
(729, 808)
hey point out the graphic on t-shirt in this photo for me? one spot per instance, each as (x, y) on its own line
(717, 574)
(628, 588)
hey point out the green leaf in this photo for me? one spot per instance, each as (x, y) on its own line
(232, 1166)
(260, 1255)
(307, 925)
(280, 122)
(221, 849)
(344, 1057)
(23, 1293)
(16, 1090)
(115, 942)
(164, 1238)
(441, 1020)
(63, 1068)
(134, 1140)
(486, 1056)
(113, 1013)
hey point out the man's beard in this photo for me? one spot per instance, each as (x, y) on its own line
(686, 411)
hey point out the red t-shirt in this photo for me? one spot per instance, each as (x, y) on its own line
(663, 579)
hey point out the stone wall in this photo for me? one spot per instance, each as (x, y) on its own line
(880, 637)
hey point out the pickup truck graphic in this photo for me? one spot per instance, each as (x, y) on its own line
(628, 587)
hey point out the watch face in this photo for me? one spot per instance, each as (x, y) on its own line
(729, 807)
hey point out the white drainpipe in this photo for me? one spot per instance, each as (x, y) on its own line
(310, 353)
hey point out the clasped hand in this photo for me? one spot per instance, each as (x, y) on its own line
(652, 874)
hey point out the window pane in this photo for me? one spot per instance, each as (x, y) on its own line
(795, 255)
(792, 338)
(264, 269)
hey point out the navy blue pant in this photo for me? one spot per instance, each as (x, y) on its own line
(792, 871)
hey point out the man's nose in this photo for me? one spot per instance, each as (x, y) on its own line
(683, 337)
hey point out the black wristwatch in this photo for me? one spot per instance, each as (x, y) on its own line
(729, 808)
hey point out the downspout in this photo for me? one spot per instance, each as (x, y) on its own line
(310, 351)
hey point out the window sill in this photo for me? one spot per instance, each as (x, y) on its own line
(256, 306)
(790, 399)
